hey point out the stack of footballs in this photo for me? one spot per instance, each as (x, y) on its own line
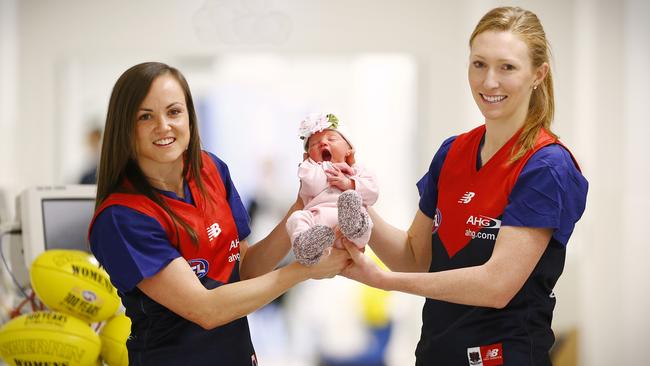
(80, 299)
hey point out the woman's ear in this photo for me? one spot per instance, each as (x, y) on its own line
(540, 73)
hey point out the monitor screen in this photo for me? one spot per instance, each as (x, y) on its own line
(54, 217)
(65, 222)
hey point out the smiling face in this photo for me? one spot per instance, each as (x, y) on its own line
(328, 145)
(501, 76)
(162, 130)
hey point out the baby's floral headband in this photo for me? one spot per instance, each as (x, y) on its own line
(317, 122)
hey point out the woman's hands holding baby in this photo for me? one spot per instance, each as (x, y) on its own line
(362, 268)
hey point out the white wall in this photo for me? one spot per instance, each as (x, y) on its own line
(57, 34)
(8, 98)
(600, 52)
(599, 148)
(635, 322)
(611, 80)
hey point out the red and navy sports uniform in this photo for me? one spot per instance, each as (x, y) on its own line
(469, 203)
(133, 238)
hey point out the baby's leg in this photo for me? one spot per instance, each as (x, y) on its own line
(354, 221)
(361, 241)
(298, 222)
(308, 239)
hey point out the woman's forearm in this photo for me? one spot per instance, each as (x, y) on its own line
(177, 288)
(492, 284)
(405, 251)
(468, 286)
(234, 301)
(264, 256)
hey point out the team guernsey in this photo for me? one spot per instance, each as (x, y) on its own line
(469, 203)
(133, 238)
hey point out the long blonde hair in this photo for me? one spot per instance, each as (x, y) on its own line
(527, 26)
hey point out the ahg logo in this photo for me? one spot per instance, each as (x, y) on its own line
(484, 221)
(466, 197)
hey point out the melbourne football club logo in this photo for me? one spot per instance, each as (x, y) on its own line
(199, 266)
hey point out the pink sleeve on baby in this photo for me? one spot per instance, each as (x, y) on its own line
(312, 178)
(365, 184)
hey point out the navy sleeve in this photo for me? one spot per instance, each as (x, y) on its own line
(550, 192)
(131, 246)
(239, 213)
(428, 184)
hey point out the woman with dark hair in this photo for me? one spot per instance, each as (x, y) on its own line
(497, 208)
(170, 228)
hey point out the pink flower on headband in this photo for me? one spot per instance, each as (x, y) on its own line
(317, 122)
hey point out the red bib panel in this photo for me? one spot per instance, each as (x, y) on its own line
(470, 200)
(217, 252)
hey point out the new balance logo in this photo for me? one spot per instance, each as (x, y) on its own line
(467, 197)
(492, 353)
(213, 231)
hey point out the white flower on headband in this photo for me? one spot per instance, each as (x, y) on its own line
(317, 122)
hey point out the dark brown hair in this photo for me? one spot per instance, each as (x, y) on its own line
(118, 159)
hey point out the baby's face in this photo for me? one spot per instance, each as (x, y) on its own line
(328, 145)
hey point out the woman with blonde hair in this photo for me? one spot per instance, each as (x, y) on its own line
(496, 210)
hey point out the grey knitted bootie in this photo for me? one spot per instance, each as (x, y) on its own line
(353, 220)
(309, 245)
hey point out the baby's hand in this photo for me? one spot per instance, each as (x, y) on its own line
(336, 178)
(345, 168)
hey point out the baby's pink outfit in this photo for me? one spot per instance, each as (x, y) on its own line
(320, 198)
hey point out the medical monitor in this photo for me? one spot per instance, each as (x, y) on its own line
(55, 217)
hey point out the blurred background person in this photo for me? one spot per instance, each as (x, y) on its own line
(94, 144)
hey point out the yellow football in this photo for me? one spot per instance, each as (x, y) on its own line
(48, 338)
(70, 281)
(113, 336)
